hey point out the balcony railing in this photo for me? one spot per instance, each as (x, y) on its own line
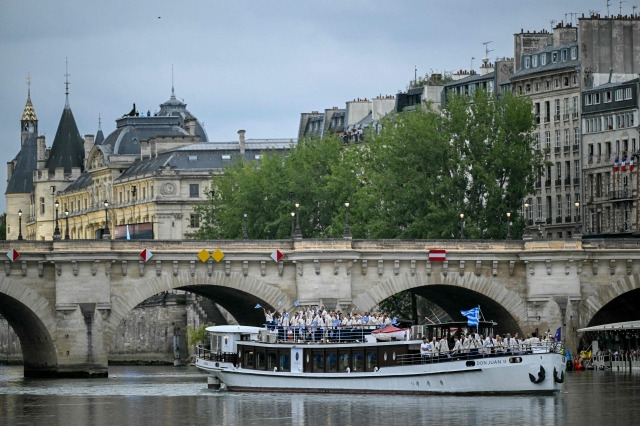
(547, 184)
(558, 182)
(558, 219)
(576, 147)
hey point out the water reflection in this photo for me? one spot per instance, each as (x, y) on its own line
(136, 395)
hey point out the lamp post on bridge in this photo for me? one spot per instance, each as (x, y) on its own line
(244, 226)
(107, 234)
(56, 231)
(461, 226)
(508, 225)
(66, 218)
(293, 214)
(297, 233)
(347, 230)
(20, 224)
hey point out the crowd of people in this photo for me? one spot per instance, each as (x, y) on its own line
(476, 344)
(313, 322)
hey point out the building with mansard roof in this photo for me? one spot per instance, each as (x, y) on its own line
(141, 181)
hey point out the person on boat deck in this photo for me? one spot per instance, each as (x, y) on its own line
(467, 344)
(489, 344)
(444, 347)
(457, 346)
(499, 347)
(435, 347)
(425, 347)
(268, 318)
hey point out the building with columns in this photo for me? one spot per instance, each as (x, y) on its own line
(140, 182)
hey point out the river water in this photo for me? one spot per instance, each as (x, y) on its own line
(179, 396)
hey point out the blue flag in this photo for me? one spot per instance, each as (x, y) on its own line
(258, 306)
(558, 335)
(296, 303)
(472, 316)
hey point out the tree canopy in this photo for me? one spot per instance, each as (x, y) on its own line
(412, 180)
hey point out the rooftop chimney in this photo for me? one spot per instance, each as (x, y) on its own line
(241, 140)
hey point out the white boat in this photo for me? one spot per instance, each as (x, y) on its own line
(242, 358)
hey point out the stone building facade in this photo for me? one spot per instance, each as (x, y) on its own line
(549, 76)
(140, 182)
(610, 157)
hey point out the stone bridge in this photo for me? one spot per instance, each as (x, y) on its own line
(65, 299)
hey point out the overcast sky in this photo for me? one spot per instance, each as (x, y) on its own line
(252, 65)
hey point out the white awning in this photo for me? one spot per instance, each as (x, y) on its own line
(627, 325)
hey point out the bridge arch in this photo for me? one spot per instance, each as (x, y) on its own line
(509, 307)
(236, 292)
(614, 302)
(32, 318)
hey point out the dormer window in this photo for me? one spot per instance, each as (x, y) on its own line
(527, 61)
(534, 61)
(543, 59)
(564, 55)
(554, 57)
(574, 53)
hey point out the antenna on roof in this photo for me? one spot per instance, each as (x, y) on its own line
(608, 4)
(99, 121)
(66, 82)
(472, 58)
(173, 95)
(621, 6)
(486, 52)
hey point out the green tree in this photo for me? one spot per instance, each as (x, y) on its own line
(410, 181)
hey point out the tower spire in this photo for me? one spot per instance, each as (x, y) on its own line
(29, 114)
(66, 82)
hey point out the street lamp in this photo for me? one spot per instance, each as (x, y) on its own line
(347, 230)
(298, 232)
(293, 214)
(56, 231)
(244, 226)
(107, 233)
(66, 218)
(20, 224)
(578, 224)
(508, 225)
(462, 226)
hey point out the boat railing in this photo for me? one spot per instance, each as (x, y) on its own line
(203, 352)
(319, 334)
(486, 352)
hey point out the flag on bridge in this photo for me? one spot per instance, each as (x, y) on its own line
(258, 306)
(558, 335)
(472, 316)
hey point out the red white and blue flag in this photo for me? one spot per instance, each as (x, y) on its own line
(631, 164)
(624, 163)
(615, 164)
(438, 255)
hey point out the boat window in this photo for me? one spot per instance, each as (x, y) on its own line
(284, 362)
(358, 361)
(272, 360)
(515, 360)
(261, 360)
(371, 360)
(332, 362)
(394, 355)
(385, 356)
(343, 361)
(248, 359)
(318, 362)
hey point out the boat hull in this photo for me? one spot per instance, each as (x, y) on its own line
(492, 375)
